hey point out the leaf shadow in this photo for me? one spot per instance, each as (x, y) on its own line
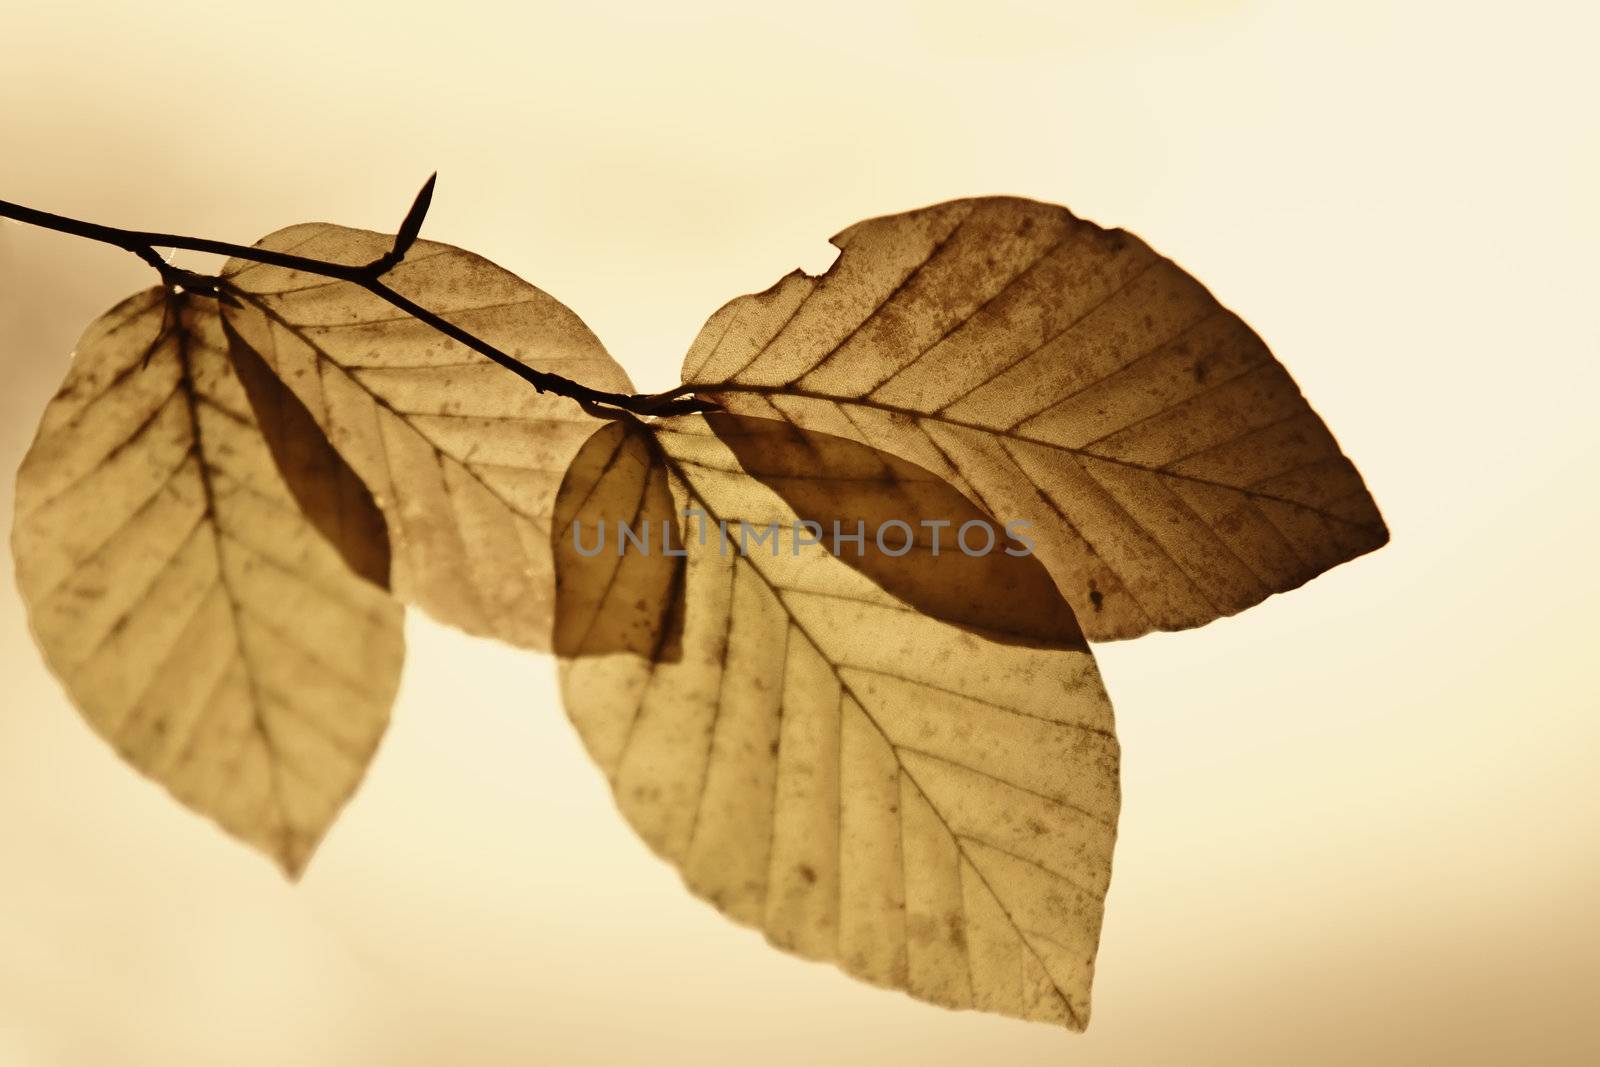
(914, 547)
(331, 495)
(618, 592)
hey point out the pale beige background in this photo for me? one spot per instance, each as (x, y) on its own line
(1361, 821)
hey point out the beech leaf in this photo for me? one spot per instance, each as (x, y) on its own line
(929, 805)
(198, 620)
(463, 457)
(1067, 375)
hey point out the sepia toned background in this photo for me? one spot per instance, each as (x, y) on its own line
(1361, 820)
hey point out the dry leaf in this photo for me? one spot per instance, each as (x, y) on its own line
(463, 457)
(195, 617)
(1066, 375)
(931, 806)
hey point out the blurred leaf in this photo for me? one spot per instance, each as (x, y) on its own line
(931, 809)
(1066, 375)
(195, 617)
(463, 457)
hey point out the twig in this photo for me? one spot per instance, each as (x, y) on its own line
(369, 276)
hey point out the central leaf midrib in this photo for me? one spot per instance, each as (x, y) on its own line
(275, 759)
(961, 424)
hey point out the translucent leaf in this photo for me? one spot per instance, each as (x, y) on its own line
(1066, 375)
(201, 624)
(928, 803)
(463, 457)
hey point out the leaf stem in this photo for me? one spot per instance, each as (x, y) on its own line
(369, 276)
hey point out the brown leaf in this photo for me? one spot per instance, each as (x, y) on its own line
(462, 456)
(1065, 375)
(198, 621)
(930, 809)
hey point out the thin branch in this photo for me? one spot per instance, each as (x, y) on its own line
(369, 276)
